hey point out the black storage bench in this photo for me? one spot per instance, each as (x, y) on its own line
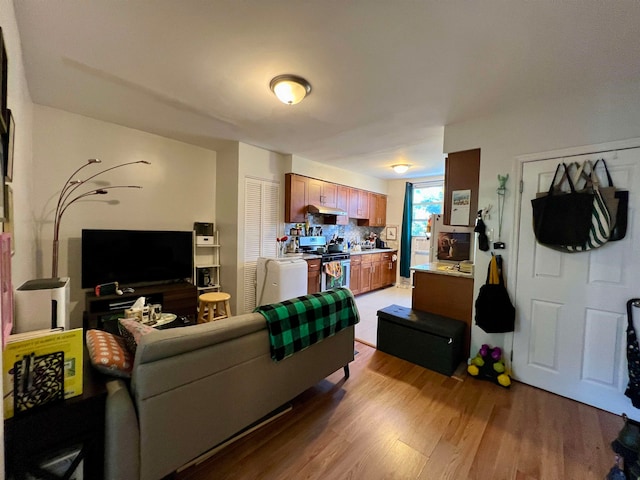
(429, 340)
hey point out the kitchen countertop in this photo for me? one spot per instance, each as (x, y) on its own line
(311, 256)
(373, 250)
(304, 256)
(441, 269)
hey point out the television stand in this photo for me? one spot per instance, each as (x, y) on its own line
(102, 312)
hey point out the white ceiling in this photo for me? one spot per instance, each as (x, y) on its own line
(387, 75)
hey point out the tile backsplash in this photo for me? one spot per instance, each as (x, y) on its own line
(350, 233)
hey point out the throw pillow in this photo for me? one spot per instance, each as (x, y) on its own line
(109, 354)
(132, 331)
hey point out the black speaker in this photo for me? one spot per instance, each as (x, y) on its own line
(204, 277)
(203, 229)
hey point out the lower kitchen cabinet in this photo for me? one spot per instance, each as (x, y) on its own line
(371, 271)
(354, 278)
(314, 274)
(389, 267)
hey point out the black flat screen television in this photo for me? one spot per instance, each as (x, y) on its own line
(135, 256)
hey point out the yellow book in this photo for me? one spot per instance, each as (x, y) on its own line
(41, 367)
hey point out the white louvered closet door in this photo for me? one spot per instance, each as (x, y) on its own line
(262, 200)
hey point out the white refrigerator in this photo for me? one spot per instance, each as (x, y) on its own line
(280, 279)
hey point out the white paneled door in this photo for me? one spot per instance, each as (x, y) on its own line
(570, 335)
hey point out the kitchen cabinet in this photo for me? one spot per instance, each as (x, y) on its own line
(377, 210)
(390, 268)
(296, 198)
(369, 208)
(342, 203)
(446, 295)
(354, 279)
(313, 276)
(462, 172)
(358, 203)
(365, 273)
(376, 271)
(322, 193)
(371, 271)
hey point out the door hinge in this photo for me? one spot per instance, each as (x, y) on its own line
(521, 186)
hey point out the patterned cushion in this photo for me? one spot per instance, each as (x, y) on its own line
(109, 354)
(132, 331)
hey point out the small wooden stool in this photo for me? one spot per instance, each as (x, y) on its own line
(213, 306)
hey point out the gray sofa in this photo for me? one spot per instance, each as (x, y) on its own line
(194, 387)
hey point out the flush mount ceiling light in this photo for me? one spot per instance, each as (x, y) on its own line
(400, 168)
(290, 89)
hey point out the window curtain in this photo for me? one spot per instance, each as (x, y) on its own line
(405, 232)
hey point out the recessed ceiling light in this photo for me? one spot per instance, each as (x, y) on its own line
(290, 89)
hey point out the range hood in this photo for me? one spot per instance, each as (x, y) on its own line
(321, 209)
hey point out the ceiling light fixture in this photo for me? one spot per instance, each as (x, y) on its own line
(290, 89)
(400, 168)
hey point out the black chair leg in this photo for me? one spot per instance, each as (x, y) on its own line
(346, 371)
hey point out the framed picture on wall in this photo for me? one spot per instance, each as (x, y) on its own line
(392, 233)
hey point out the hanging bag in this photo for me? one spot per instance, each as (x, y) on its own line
(618, 204)
(562, 219)
(600, 228)
(494, 311)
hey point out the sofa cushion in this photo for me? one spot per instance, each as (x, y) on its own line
(132, 331)
(108, 353)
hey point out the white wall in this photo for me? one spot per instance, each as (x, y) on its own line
(537, 126)
(178, 186)
(227, 219)
(309, 168)
(265, 165)
(19, 101)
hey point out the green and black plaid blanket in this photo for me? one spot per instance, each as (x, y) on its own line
(297, 323)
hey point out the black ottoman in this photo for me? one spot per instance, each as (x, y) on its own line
(429, 340)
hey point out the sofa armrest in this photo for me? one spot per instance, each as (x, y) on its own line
(122, 434)
(176, 341)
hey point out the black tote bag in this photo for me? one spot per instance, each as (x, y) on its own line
(494, 311)
(562, 219)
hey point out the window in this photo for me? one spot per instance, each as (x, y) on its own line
(428, 198)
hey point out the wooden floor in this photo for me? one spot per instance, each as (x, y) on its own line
(393, 419)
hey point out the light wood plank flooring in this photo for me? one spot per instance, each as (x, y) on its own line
(394, 419)
(368, 306)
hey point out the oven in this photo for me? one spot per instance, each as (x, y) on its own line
(336, 270)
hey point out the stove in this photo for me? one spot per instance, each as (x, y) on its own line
(334, 257)
(336, 266)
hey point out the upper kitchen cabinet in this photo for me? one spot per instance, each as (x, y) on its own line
(322, 194)
(358, 203)
(377, 210)
(295, 198)
(342, 204)
(462, 172)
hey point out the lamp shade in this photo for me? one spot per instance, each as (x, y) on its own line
(290, 89)
(400, 168)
